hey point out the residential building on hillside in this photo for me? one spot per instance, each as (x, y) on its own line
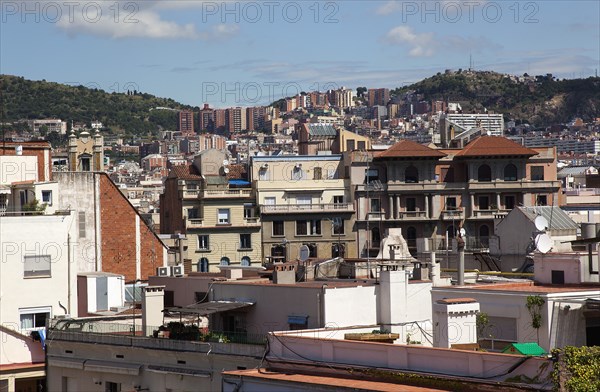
(378, 96)
(206, 119)
(215, 209)
(186, 123)
(303, 200)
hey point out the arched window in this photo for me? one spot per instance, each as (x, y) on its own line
(224, 261)
(202, 265)
(411, 175)
(484, 173)
(510, 172)
(278, 253)
(484, 236)
(411, 240)
(245, 262)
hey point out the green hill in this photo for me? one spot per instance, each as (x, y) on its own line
(123, 113)
(540, 101)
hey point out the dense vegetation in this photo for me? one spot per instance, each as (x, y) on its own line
(542, 101)
(130, 113)
(576, 369)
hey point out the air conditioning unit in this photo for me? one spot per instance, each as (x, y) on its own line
(177, 270)
(162, 271)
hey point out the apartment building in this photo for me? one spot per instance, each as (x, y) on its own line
(186, 122)
(235, 119)
(206, 119)
(378, 96)
(431, 193)
(303, 200)
(216, 211)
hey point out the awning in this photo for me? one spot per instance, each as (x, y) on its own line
(112, 367)
(298, 320)
(207, 308)
(238, 182)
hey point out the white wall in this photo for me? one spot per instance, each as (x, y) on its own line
(350, 306)
(18, 168)
(33, 235)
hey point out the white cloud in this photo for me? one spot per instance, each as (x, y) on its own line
(420, 44)
(389, 7)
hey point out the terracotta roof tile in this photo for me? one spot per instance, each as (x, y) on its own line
(489, 146)
(410, 149)
(185, 172)
(237, 171)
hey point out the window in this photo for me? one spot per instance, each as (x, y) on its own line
(297, 173)
(36, 266)
(245, 241)
(537, 173)
(263, 174)
(246, 261)
(200, 297)
(248, 211)
(318, 173)
(303, 202)
(223, 216)
(450, 203)
(269, 202)
(338, 226)
(203, 243)
(541, 200)
(375, 237)
(484, 236)
(110, 386)
(502, 328)
(509, 202)
(34, 318)
(224, 261)
(411, 239)
(308, 227)
(278, 228)
(81, 223)
(192, 213)
(362, 145)
(375, 205)
(371, 175)
(484, 203)
(47, 197)
(411, 204)
(350, 145)
(85, 164)
(338, 250)
(484, 173)
(510, 172)
(411, 175)
(338, 199)
(202, 265)
(558, 277)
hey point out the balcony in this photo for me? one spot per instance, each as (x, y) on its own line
(306, 208)
(190, 194)
(412, 215)
(226, 193)
(489, 214)
(453, 215)
(194, 223)
(513, 185)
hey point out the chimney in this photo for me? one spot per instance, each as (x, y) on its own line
(392, 296)
(152, 307)
(454, 322)
(284, 274)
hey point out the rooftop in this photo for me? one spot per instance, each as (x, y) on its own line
(338, 383)
(410, 149)
(493, 146)
(556, 217)
(530, 287)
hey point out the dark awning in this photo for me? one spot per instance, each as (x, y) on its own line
(207, 308)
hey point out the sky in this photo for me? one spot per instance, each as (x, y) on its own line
(246, 53)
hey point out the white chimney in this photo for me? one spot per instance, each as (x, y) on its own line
(454, 322)
(152, 307)
(392, 297)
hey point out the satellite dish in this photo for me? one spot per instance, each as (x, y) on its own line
(304, 253)
(541, 223)
(462, 232)
(543, 243)
(225, 170)
(225, 162)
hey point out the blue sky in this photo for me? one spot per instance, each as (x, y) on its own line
(247, 53)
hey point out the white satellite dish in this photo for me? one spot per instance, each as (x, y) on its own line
(543, 243)
(462, 232)
(541, 223)
(225, 170)
(225, 162)
(304, 253)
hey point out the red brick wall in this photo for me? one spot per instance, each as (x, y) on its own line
(117, 221)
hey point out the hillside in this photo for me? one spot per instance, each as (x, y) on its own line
(123, 113)
(539, 101)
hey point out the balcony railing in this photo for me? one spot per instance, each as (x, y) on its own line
(490, 214)
(193, 223)
(190, 194)
(227, 193)
(412, 215)
(453, 214)
(306, 208)
(524, 184)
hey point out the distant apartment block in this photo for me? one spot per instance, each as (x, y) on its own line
(206, 119)
(186, 122)
(220, 120)
(574, 146)
(378, 96)
(456, 126)
(235, 119)
(341, 98)
(49, 125)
